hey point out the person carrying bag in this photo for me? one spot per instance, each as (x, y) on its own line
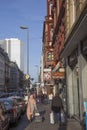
(52, 118)
(56, 107)
(63, 117)
(31, 108)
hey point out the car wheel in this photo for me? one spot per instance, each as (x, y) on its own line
(16, 122)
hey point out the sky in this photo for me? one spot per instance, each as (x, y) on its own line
(30, 13)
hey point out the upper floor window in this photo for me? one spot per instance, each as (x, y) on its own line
(51, 33)
(50, 56)
(50, 7)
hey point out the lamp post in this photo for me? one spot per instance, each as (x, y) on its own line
(37, 73)
(26, 28)
(37, 83)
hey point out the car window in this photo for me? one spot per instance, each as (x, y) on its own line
(7, 104)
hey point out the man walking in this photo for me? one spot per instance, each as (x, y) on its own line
(56, 107)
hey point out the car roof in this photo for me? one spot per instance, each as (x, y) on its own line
(5, 99)
(15, 97)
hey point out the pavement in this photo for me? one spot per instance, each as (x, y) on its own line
(44, 109)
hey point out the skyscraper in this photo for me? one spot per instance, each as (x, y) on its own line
(15, 49)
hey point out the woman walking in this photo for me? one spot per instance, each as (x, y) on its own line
(31, 107)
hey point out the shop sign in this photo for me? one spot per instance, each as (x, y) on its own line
(61, 69)
(57, 75)
(47, 70)
(47, 76)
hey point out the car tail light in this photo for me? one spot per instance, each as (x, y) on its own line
(12, 111)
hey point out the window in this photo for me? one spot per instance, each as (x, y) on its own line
(51, 6)
(51, 33)
(50, 56)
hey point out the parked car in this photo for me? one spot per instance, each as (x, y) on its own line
(12, 109)
(4, 118)
(20, 102)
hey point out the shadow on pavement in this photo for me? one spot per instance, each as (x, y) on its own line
(62, 127)
(42, 113)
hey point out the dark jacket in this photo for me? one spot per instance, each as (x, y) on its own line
(56, 105)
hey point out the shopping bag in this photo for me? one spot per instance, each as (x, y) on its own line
(52, 118)
(63, 117)
(38, 117)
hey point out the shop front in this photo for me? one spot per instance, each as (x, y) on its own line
(75, 55)
(73, 84)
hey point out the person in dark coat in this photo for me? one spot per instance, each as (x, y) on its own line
(56, 107)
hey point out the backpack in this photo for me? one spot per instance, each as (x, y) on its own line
(56, 104)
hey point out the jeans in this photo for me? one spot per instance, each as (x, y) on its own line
(50, 102)
(57, 117)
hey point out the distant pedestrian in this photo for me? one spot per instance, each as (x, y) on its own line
(50, 97)
(31, 107)
(2, 117)
(56, 107)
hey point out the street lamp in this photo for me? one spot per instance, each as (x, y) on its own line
(37, 73)
(26, 28)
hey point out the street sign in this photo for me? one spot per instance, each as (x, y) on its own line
(27, 76)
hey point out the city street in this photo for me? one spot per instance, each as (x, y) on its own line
(43, 56)
(23, 123)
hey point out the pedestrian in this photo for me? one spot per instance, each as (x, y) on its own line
(56, 108)
(2, 117)
(31, 107)
(50, 96)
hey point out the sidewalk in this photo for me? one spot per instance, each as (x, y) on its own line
(72, 124)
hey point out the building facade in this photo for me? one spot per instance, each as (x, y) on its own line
(47, 49)
(15, 49)
(14, 77)
(75, 55)
(7, 71)
(4, 70)
(53, 38)
(68, 23)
